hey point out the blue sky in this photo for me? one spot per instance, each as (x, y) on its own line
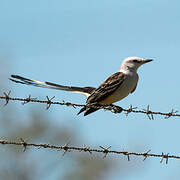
(84, 41)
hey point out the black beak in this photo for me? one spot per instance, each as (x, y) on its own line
(147, 60)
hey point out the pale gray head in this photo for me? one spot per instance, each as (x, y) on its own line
(133, 63)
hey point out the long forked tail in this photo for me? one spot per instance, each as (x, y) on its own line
(82, 90)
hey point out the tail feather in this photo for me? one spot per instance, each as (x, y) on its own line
(82, 90)
(87, 111)
(81, 110)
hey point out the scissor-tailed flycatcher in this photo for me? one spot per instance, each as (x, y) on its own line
(113, 89)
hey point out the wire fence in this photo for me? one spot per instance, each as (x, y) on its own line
(113, 108)
(105, 151)
(102, 150)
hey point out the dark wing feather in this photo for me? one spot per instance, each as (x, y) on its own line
(103, 91)
(89, 111)
(106, 88)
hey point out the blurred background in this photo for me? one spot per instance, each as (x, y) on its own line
(81, 43)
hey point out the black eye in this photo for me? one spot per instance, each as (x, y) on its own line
(136, 61)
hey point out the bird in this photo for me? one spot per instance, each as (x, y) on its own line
(115, 88)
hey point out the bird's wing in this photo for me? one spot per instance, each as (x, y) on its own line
(82, 90)
(109, 86)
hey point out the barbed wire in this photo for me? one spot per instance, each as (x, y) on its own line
(102, 150)
(113, 108)
(105, 151)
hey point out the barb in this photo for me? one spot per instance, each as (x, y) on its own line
(28, 99)
(49, 102)
(104, 151)
(146, 154)
(113, 108)
(7, 97)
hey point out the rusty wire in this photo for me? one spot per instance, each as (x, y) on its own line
(105, 151)
(102, 150)
(113, 108)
